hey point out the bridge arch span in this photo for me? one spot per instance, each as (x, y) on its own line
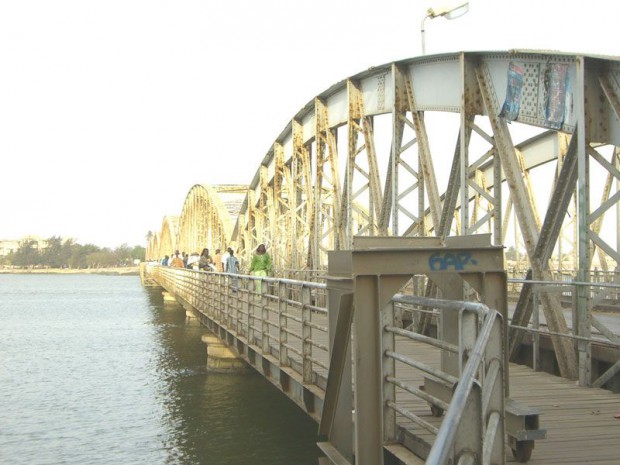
(207, 217)
(168, 236)
(430, 146)
(444, 145)
(152, 247)
(390, 143)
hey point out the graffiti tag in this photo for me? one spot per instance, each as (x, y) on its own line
(441, 261)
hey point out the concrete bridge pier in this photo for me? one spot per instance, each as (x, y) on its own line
(191, 317)
(221, 358)
(169, 298)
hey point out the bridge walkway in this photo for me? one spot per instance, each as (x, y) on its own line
(581, 423)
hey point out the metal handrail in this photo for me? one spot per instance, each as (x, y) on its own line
(246, 312)
(442, 449)
(444, 442)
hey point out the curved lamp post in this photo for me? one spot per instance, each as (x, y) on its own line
(449, 10)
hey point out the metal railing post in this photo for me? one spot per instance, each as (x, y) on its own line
(221, 309)
(493, 406)
(251, 304)
(468, 333)
(388, 343)
(469, 431)
(306, 332)
(264, 308)
(536, 325)
(246, 308)
(282, 308)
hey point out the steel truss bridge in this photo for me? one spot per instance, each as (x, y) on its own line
(522, 146)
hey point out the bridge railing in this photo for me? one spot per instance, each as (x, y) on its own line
(285, 318)
(281, 318)
(472, 430)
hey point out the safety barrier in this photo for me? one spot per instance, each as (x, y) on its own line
(281, 318)
(473, 428)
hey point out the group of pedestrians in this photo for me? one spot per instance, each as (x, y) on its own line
(222, 262)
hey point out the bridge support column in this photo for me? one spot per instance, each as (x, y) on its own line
(220, 357)
(191, 317)
(169, 298)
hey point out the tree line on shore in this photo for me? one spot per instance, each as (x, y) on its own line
(66, 253)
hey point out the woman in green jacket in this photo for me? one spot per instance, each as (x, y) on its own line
(261, 265)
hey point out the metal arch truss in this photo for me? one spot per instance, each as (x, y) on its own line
(205, 221)
(165, 241)
(418, 148)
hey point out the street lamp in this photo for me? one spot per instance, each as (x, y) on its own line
(449, 10)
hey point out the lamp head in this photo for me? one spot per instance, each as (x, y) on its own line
(449, 10)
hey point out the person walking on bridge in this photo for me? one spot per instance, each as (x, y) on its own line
(261, 265)
(205, 261)
(177, 261)
(232, 266)
(217, 258)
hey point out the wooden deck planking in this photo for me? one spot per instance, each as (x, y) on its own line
(580, 422)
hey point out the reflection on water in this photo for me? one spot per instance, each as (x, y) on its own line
(94, 369)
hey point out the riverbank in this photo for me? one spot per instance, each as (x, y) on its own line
(120, 271)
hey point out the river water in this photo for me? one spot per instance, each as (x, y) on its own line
(96, 370)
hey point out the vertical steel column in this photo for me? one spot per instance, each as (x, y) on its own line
(319, 161)
(352, 118)
(536, 335)
(396, 141)
(336, 420)
(464, 156)
(279, 240)
(292, 193)
(497, 204)
(368, 381)
(617, 165)
(583, 198)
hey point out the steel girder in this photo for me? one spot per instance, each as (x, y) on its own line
(529, 224)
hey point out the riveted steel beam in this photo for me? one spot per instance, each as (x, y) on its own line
(527, 222)
(550, 232)
(424, 152)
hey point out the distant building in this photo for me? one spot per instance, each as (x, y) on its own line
(11, 245)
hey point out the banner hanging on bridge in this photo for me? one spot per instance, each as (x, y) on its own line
(512, 103)
(555, 86)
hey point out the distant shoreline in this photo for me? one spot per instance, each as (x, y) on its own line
(120, 271)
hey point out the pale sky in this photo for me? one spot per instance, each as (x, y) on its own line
(111, 110)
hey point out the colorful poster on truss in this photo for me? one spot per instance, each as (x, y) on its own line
(555, 85)
(512, 103)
